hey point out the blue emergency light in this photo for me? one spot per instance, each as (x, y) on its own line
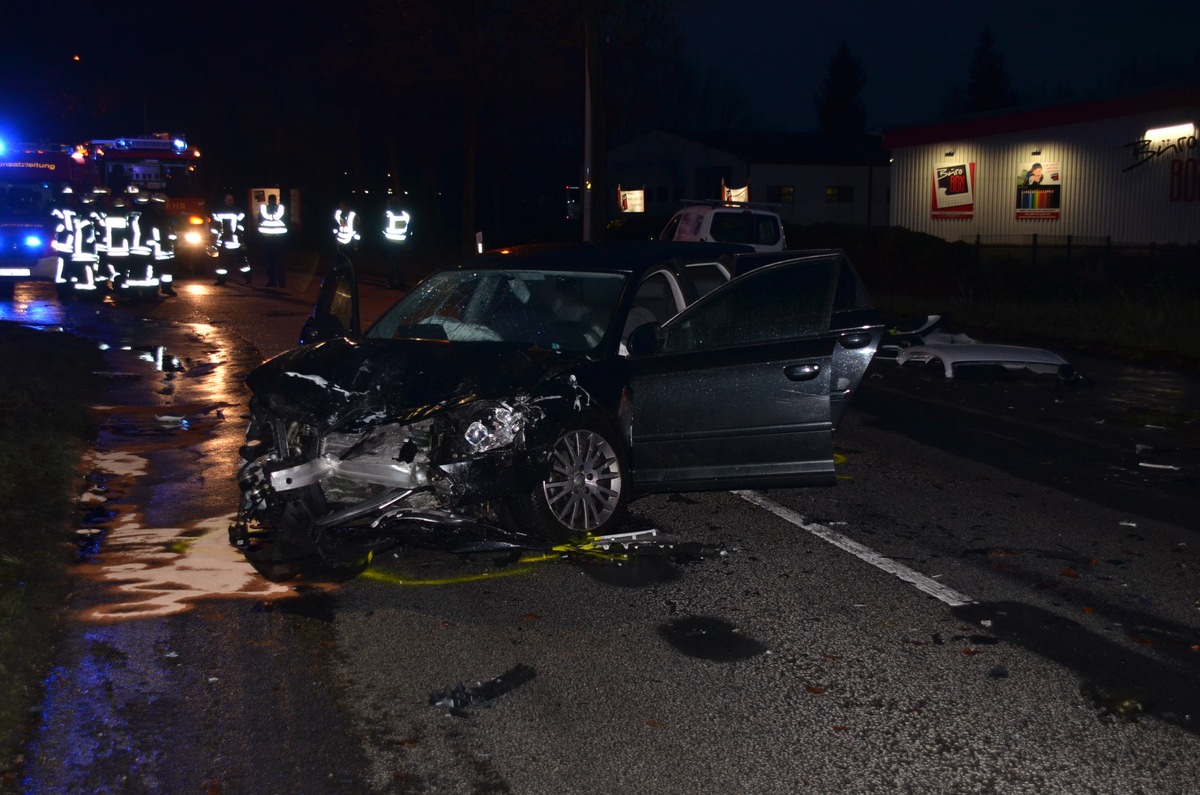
(33, 241)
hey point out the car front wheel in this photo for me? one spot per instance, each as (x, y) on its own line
(584, 488)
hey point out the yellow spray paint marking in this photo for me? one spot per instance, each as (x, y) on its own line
(399, 579)
(526, 565)
(838, 460)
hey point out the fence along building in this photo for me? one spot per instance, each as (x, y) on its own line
(1118, 171)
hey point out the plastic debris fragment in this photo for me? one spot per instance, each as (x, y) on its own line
(459, 697)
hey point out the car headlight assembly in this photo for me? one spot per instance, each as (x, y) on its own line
(499, 425)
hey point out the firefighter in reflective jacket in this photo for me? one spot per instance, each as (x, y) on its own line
(229, 231)
(345, 229)
(83, 259)
(397, 231)
(75, 241)
(116, 240)
(66, 216)
(88, 242)
(141, 272)
(159, 234)
(272, 225)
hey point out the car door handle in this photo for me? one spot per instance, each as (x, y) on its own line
(802, 372)
(859, 340)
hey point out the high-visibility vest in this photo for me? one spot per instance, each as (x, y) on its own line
(64, 231)
(121, 232)
(396, 227)
(227, 227)
(270, 222)
(83, 238)
(345, 230)
(158, 236)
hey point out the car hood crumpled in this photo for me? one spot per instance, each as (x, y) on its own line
(338, 380)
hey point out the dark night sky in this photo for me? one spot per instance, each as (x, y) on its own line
(776, 50)
(223, 74)
(915, 52)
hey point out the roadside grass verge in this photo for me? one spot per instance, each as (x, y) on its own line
(46, 380)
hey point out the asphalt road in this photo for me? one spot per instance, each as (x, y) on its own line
(996, 597)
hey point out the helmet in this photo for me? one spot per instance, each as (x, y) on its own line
(119, 201)
(141, 198)
(67, 190)
(160, 198)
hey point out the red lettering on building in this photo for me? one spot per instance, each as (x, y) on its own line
(1184, 183)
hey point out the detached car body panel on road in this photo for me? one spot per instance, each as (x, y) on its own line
(526, 397)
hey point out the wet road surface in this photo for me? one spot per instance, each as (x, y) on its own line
(779, 662)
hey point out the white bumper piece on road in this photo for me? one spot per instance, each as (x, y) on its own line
(953, 354)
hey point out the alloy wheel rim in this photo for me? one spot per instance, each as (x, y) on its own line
(584, 487)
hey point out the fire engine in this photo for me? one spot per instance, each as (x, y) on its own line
(161, 162)
(33, 178)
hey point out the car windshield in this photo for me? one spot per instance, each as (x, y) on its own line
(558, 310)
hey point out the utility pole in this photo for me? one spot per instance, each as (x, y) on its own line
(593, 123)
(588, 35)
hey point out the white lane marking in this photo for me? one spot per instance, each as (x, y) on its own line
(919, 581)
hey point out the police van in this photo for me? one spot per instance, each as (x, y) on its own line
(756, 225)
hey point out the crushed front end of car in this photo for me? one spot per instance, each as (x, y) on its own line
(332, 473)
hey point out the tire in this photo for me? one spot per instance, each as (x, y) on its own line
(584, 489)
(291, 547)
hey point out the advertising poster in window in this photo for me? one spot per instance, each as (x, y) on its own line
(954, 191)
(1038, 189)
(631, 201)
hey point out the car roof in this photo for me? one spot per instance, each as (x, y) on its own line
(626, 256)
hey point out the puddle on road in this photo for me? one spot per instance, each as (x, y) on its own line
(147, 570)
(710, 639)
(158, 427)
(158, 571)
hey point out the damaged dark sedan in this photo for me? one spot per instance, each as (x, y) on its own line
(523, 399)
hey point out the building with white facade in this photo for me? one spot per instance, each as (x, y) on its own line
(809, 178)
(1121, 170)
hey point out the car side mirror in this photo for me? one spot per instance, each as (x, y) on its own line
(321, 327)
(644, 340)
